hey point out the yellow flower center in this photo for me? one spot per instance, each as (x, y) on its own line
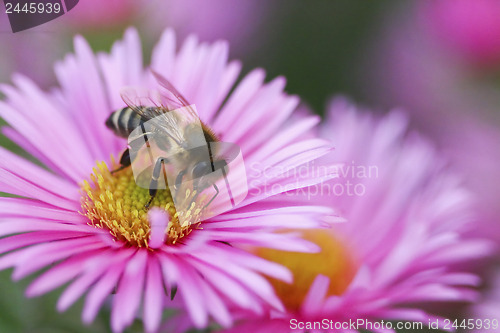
(334, 261)
(115, 202)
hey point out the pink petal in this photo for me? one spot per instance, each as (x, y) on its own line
(78, 287)
(101, 290)
(153, 296)
(129, 294)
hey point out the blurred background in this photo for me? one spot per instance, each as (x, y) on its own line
(438, 60)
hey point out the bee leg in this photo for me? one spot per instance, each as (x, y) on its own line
(152, 194)
(219, 165)
(153, 185)
(124, 161)
(213, 198)
(178, 180)
(178, 183)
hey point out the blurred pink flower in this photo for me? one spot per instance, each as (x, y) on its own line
(449, 100)
(407, 229)
(216, 19)
(50, 227)
(469, 27)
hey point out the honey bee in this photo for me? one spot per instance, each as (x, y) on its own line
(183, 138)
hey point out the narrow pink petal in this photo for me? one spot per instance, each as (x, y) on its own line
(30, 96)
(228, 79)
(60, 274)
(163, 56)
(464, 251)
(226, 285)
(39, 256)
(285, 185)
(33, 224)
(461, 279)
(101, 290)
(211, 71)
(83, 283)
(269, 207)
(18, 241)
(282, 138)
(183, 63)
(270, 221)
(170, 272)
(316, 294)
(253, 281)
(46, 133)
(276, 241)
(438, 292)
(129, 294)
(14, 184)
(193, 297)
(285, 158)
(256, 109)
(243, 94)
(153, 296)
(32, 208)
(283, 110)
(253, 262)
(90, 84)
(32, 150)
(216, 306)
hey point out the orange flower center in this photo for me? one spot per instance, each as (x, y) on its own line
(334, 261)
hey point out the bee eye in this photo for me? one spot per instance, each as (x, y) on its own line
(201, 168)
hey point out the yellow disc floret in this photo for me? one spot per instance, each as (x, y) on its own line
(334, 261)
(115, 202)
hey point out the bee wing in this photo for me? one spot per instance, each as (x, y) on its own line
(171, 95)
(148, 104)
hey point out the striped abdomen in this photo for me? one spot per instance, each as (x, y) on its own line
(122, 122)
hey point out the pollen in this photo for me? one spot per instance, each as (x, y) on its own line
(114, 202)
(334, 261)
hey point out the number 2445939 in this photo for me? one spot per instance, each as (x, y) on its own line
(33, 8)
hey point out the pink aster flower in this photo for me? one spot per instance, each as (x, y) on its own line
(88, 228)
(404, 244)
(461, 104)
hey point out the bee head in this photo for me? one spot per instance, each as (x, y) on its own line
(200, 169)
(203, 168)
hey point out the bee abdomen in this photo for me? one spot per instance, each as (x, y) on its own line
(122, 122)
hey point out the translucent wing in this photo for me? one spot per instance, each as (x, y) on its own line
(171, 97)
(160, 119)
(144, 102)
